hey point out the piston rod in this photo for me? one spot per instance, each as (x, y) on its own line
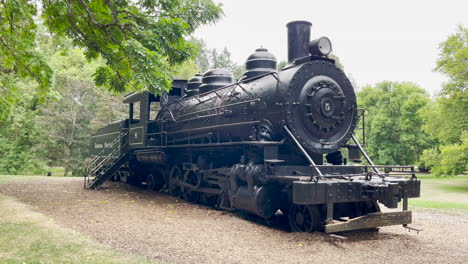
(311, 161)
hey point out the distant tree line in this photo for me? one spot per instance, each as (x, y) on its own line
(405, 126)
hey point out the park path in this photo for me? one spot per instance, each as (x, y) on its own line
(161, 227)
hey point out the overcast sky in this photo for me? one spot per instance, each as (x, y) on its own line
(375, 40)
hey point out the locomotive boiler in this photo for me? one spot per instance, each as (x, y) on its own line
(275, 143)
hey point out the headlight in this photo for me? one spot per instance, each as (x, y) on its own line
(320, 47)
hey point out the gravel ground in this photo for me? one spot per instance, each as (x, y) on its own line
(158, 226)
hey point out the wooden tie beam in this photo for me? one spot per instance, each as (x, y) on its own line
(371, 220)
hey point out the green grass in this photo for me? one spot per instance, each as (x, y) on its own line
(438, 205)
(431, 176)
(11, 178)
(30, 237)
(58, 171)
(451, 188)
(448, 193)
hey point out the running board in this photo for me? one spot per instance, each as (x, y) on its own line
(371, 220)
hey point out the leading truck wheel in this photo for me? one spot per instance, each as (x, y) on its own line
(304, 218)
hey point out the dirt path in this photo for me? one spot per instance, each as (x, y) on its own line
(160, 227)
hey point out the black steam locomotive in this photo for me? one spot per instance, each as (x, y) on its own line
(275, 143)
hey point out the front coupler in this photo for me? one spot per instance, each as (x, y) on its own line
(388, 191)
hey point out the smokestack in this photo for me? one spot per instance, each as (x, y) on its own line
(298, 39)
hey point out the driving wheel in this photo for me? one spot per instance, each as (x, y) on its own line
(175, 176)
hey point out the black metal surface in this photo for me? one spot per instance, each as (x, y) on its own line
(214, 79)
(388, 193)
(194, 84)
(322, 110)
(151, 156)
(259, 63)
(298, 39)
(263, 201)
(316, 48)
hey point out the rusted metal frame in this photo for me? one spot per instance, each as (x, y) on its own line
(311, 161)
(366, 156)
(216, 126)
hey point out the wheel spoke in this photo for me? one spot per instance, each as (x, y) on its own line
(305, 218)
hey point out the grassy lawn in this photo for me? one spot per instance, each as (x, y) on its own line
(11, 178)
(442, 192)
(30, 237)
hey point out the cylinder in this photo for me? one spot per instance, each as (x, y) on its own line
(298, 39)
(263, 201)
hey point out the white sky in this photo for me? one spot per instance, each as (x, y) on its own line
(375, 40)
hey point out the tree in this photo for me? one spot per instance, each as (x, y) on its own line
(447, 120)
(109, 108)
(19, 152)
(453, 61)
(210, 59)
(394, 126)
(281, 65)
(141, 42)
(187, 70)
(67, 122)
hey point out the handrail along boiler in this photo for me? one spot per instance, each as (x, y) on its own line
(259, 144)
